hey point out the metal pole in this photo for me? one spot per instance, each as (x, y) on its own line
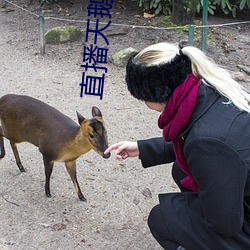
(191, 35)
(42, 31)
(2, 3)
(204, 24)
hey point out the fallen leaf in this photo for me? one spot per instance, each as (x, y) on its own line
(148, 15)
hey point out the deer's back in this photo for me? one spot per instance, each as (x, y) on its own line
(24, 118)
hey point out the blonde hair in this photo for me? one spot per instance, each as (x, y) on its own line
(202, 67)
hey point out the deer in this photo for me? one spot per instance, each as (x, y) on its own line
(58, 137)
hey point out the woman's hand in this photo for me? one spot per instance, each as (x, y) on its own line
(124, 150)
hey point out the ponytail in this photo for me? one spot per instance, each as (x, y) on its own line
(218, 78)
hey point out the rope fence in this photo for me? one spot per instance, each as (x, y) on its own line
(191, 28)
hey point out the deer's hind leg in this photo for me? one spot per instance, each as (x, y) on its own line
(71, 168)
(1, 144)
(18, 161)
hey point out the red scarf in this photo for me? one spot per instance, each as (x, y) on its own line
(174, 119)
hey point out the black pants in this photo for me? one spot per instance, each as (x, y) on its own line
(156, 222)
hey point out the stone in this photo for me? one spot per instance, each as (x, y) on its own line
(121, 58)
(63, 34)
(239, 76)
(147, 193)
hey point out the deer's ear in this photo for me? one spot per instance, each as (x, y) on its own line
(96, 112)
(80, 118)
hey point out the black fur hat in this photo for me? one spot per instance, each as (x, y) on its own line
(156, 83)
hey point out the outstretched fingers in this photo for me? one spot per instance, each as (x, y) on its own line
(113, 147)
(124, 149)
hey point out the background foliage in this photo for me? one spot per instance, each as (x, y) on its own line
(156, 6)
(165, 6)
(227, 6)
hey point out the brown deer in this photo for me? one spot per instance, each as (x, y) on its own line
(59, 139)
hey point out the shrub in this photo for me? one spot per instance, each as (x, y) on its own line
(227, 6)
(157, 6)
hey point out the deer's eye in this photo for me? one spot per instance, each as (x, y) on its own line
(91, 136)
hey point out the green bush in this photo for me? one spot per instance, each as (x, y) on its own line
(211, 7)
(227, 6)
(156, 6)
(232, 6)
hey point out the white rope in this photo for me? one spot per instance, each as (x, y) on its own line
(221, 25)
(117, 24)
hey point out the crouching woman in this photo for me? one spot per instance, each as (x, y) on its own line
(205, 120)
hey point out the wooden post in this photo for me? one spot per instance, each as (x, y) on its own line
(42, 31)
(2, 3)
(204, 24)
(191, 35)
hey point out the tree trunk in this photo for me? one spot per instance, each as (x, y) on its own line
(183, 11)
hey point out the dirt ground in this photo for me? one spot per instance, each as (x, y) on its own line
(119, 195)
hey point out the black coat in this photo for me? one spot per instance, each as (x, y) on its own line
(216, 145)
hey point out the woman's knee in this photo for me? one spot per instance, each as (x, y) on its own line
(153, 218)
(159, 229)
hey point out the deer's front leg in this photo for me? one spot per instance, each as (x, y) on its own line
(48, 165)
(71, 168)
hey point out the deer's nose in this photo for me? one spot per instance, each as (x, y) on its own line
(106, 156)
